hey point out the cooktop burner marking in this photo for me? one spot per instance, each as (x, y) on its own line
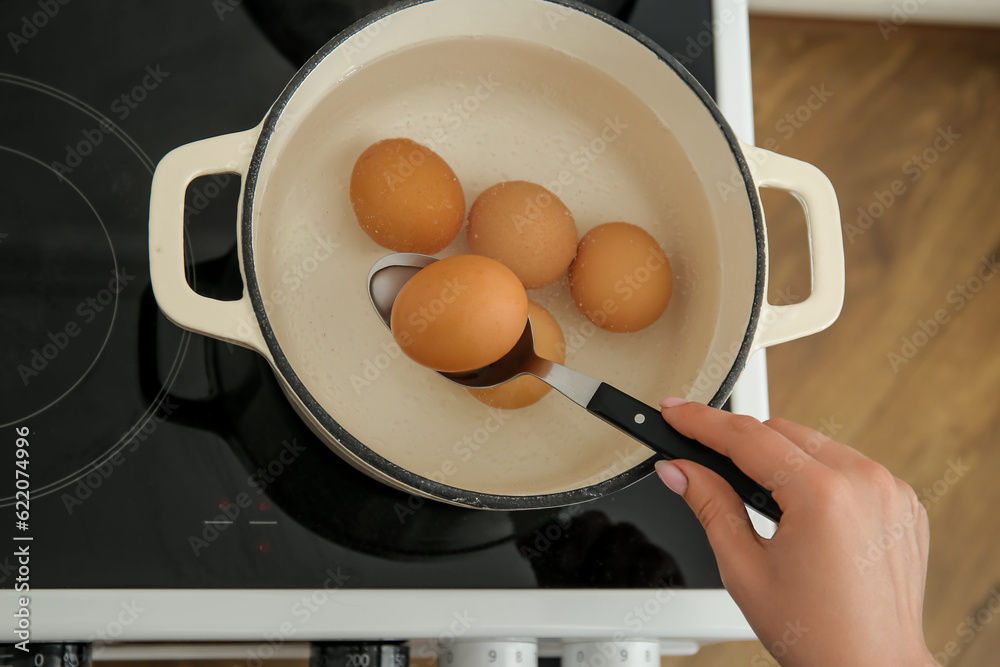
(46, 89)
(116, 291)
(172, 373)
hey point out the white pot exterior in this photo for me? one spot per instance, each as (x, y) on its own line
(284, 164)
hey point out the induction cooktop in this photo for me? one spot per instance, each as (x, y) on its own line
(156, 458)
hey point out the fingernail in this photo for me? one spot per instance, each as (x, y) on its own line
(672, 476)
(672, 402)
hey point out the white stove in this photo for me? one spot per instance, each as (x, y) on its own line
(466, 625)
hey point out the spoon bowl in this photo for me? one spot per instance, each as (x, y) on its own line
(389, 275)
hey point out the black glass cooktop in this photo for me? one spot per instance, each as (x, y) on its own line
(157, 458)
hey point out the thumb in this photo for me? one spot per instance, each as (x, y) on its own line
(718, 508)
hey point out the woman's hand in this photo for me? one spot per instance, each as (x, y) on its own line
(842, 580)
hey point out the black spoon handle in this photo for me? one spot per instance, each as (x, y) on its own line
(646, 424)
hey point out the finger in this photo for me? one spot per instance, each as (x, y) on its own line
(762, 453)
(921, 524)
(824, 449)
(720, 511)
(924, 537)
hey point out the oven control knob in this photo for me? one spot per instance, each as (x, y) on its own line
(626, 653)
(490, 653)
(359, 654)
(46, 655)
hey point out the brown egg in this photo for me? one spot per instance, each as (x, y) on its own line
(621, 279)
(459, 314)
(406, 198)
(527, 228)
(524, 391)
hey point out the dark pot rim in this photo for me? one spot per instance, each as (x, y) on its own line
(424, 485)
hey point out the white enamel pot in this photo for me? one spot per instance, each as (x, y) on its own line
(540, 90)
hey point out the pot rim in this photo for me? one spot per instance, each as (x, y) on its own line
(422, 485)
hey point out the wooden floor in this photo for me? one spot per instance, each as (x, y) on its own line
(936, 407)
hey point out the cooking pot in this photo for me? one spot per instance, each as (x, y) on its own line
(547, 91)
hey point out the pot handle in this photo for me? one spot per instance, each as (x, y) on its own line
(805, 182)
(231, 321)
